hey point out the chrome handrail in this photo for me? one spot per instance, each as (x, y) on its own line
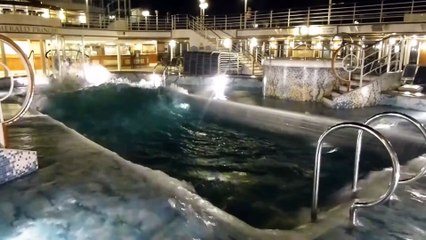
(357, 203)
(30, 75)
(410, 119)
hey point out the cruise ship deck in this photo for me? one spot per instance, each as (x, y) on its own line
(302, 123)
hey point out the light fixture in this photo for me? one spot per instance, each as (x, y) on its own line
(172, 43)
(303, 30)
(253, 42)
(82, 18)
(227, 43)
(45, 13)
(61, 15)
(204, 5)
(145, 13)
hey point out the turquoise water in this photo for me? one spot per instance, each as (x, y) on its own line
(264, 180)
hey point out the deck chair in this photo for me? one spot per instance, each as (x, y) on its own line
(411, 77)
(409, 73)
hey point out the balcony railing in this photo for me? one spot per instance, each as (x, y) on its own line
(335, 14)
(321, 15)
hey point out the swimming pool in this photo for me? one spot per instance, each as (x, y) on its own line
(263, 179)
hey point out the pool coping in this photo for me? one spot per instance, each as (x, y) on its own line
(307, 231)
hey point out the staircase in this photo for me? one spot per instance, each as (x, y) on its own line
(356, 67)
(249, 64)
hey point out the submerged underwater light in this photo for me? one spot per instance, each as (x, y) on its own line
(219, 86)
(156, 80)
(96, 74)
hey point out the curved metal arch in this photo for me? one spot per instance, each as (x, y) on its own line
(408, 118)
(342, 35)
(357, 203)
(334, 59)
(30, 75)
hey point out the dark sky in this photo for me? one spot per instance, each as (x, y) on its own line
(230, 6)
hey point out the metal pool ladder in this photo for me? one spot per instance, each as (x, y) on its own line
(410, 119)
(357, 203)
(395, 178)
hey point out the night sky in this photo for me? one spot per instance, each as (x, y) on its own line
(230, 6)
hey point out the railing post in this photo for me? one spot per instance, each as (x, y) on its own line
(252, 65)
(401, 53)
(254, 19)
(241, 21)
(288, 17)
(226, 22)
(270, 20)
(238, 64)
(329, 12)
(214, 22)
(156, 20)
(362, 67)
(381, 11)
(389, 57)
(309, 15)
(412, 6)
(354, 13)
(139, 23)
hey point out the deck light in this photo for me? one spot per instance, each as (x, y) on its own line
(253, 42)
(172, 43)
(204, 6)
(303, 30)
(414, 42)
(45, 13)
(227, 43)
(145, 13)
(61, 15)
(82, 18)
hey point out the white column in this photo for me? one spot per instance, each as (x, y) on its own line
(43, 58)
(32, 55)
(118, 57)
(3, 59)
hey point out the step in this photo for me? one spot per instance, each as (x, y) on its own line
(335, 94)
(328, 102)
(355, 83)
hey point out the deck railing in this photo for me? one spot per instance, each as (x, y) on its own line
(334, 14)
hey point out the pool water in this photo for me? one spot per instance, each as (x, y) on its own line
(264, 180)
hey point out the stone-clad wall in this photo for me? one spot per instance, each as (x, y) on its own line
(368, 95)
(309, 81)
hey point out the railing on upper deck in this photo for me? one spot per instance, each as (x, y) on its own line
(334, 14)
